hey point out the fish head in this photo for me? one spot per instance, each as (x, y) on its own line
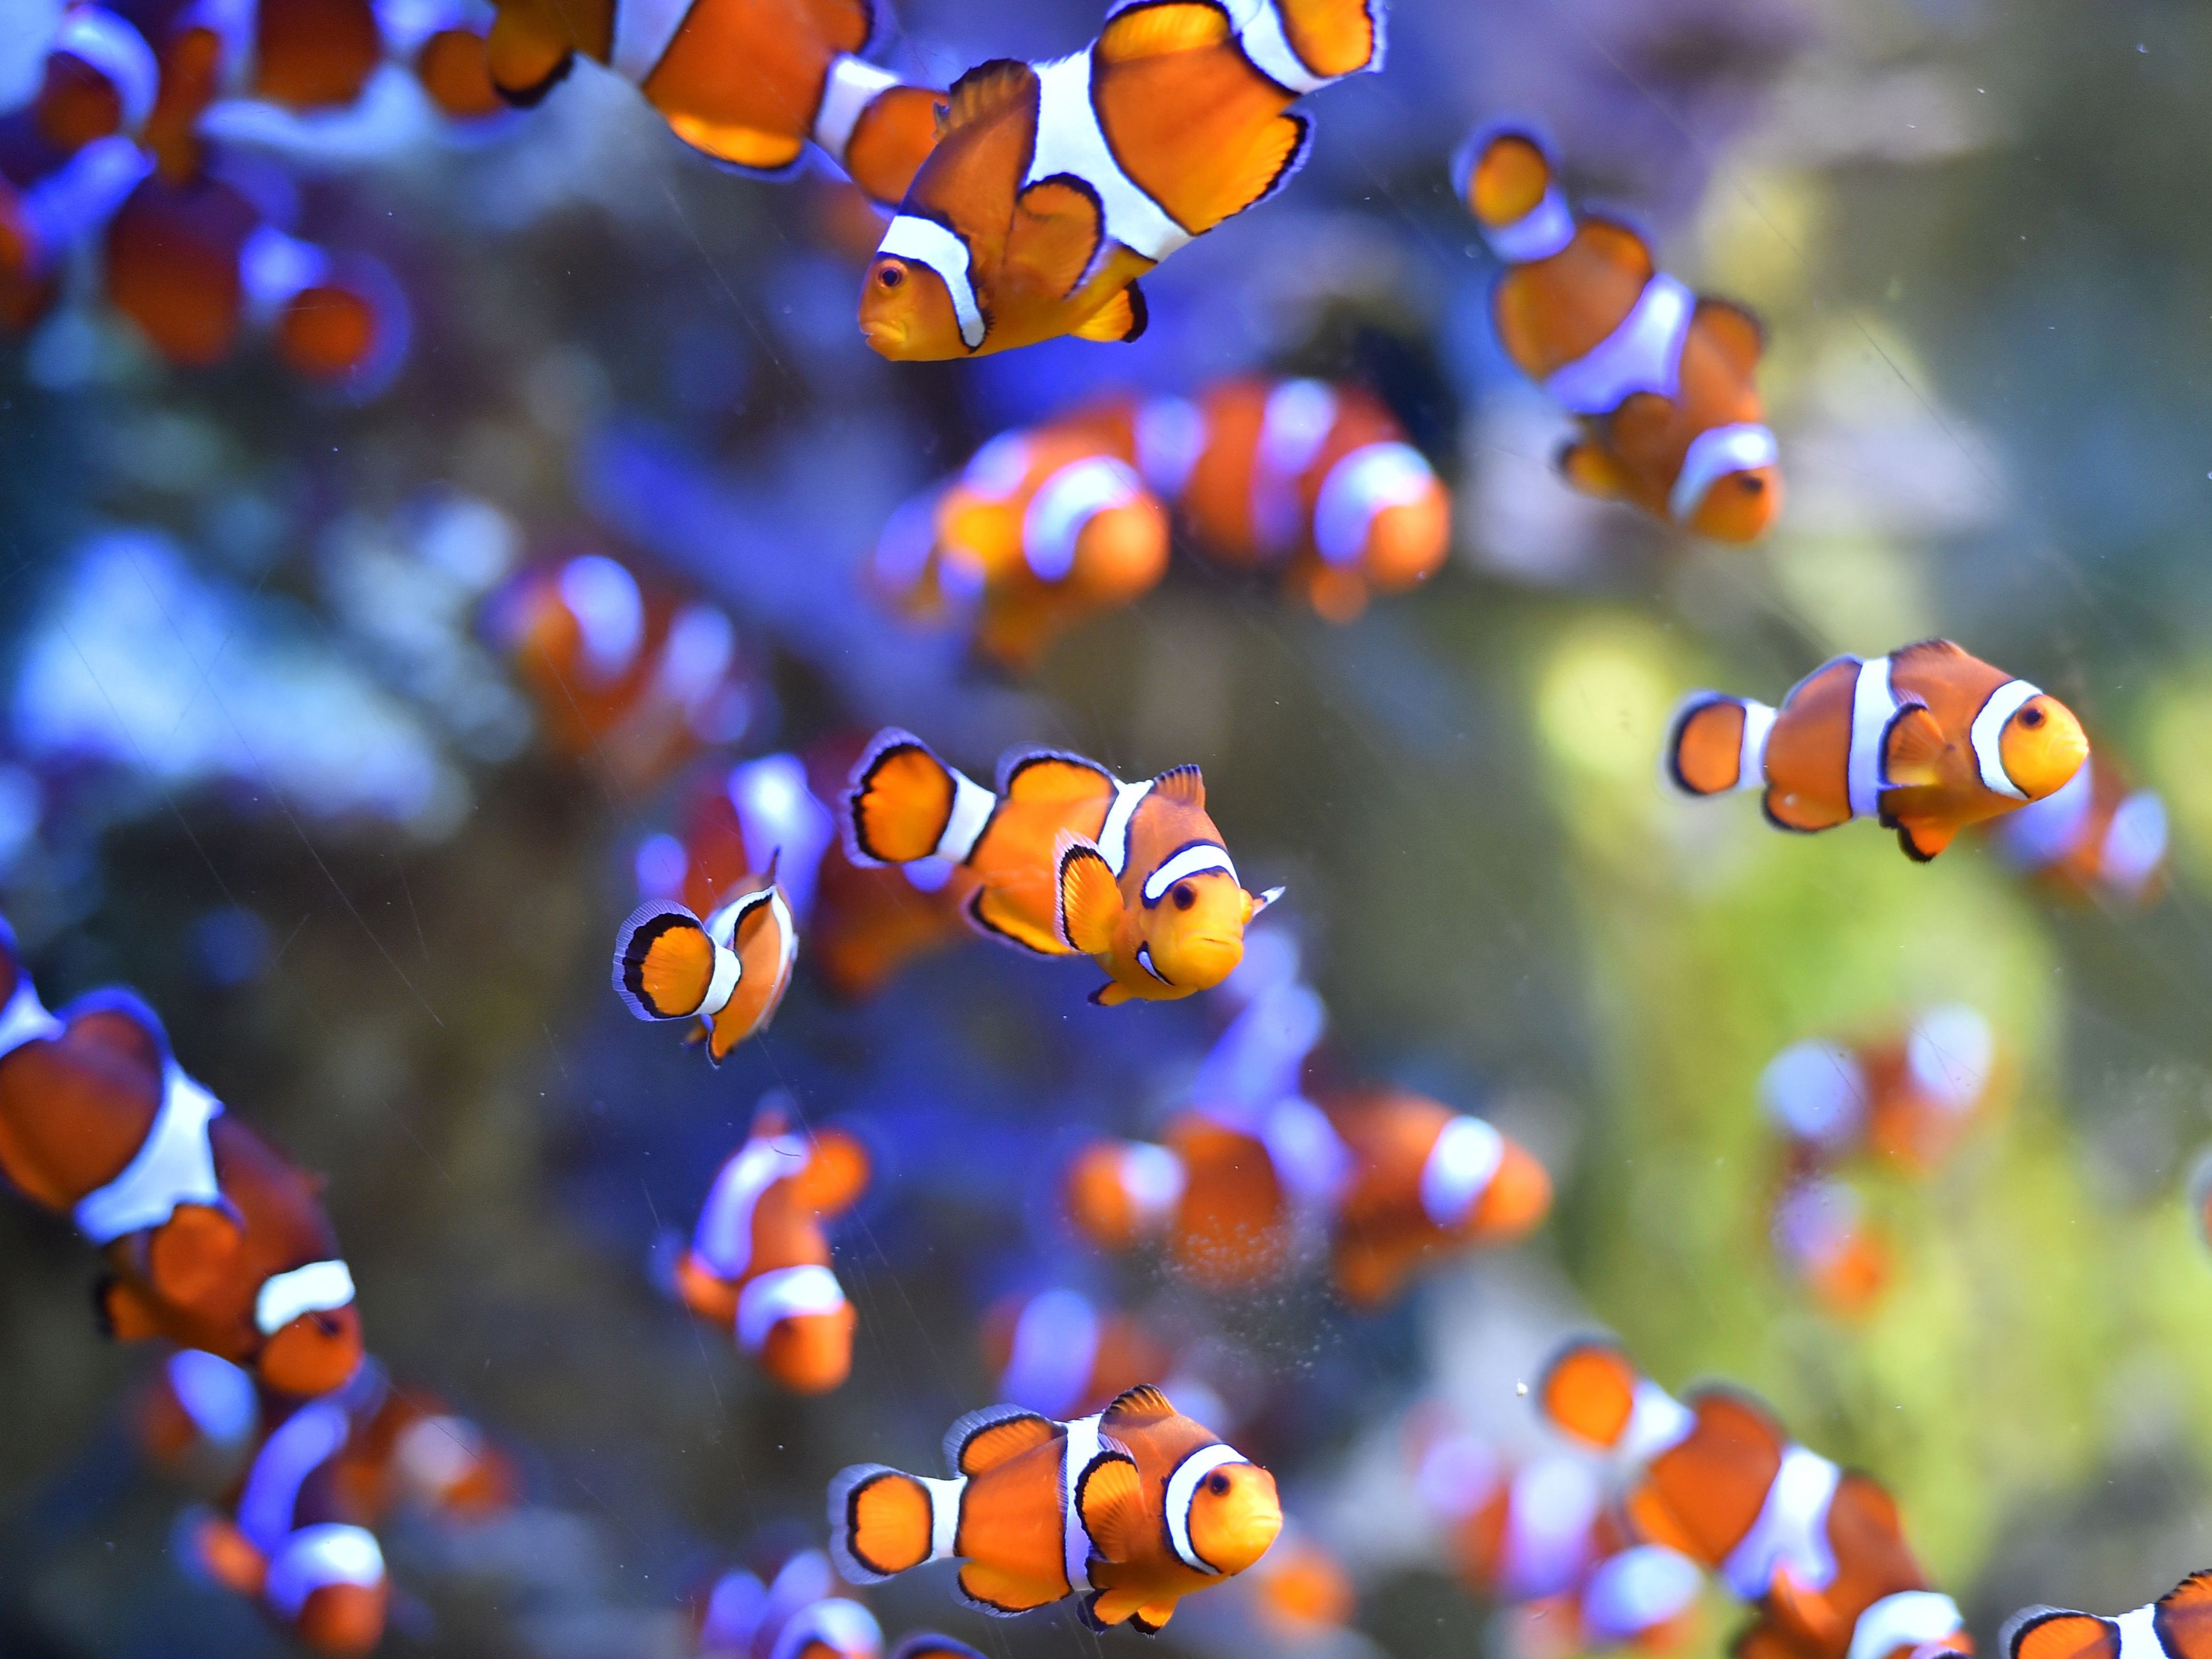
(1194, 936)
(316, 1352)
(1234, 1514)
(906, 312)
(1738, 506)
(811, 1353)
(2042, 746)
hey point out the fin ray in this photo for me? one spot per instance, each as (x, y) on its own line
(663, 961)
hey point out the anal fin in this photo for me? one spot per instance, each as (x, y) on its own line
(1802, 813)
(525, 63)
(989, 1589)
(741, 147)
(1921, 842)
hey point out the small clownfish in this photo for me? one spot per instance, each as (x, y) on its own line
(1822, 1233)
(212, 1239)
(1925, 741)
(1312, 479)
(1661, 380)
(1819, 1550)
(1042, 529)
(1905, 1098)
(1053, 186)
(728, 972)
(1067, 860)
(1212, 1196)
(2177, 1625)
(805, 80)
(759, 1262)
(1299, 1590)
(407, 1451)
(802, 1613)
(1130, 1511)
(195, 1410)
(628, 678)
(1059, 1354)
(2094, 835)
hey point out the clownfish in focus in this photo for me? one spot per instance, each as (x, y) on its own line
(729, 972)
(1068, 860)
(1661, 380)
(1925, 741)
(1130, 1510)
(2177, 1625)
(1053, 186)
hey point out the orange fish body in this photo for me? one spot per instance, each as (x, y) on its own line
(1067, 860)
(759, 1262)
(1906, 1098)
(1211, 1194)
(1926, 741)
(1129, 1511)
(729, 972)
(2094, 836)
(1058, 1354)
(2177, 1625)
(1053, 186)
(1824, 1238)
(1661, 380)
(803, 80)
(1042, 529)
(212, 1239)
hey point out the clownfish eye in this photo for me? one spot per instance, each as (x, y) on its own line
(328, 1324)
(891, 276)
(1217, 1484)
(2031, 717)
(1752, 483)
(1184, 897)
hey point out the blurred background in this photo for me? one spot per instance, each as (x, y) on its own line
(264, 756)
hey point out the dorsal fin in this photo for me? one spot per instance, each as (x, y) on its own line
(1927, 648)
(2184, 1617)
(1144, 1403)
(987, 90)
(1156, 30)
(1032, 774)
(1738, 334)
(984, 1439)
(1110, 1497)
(1184, 785)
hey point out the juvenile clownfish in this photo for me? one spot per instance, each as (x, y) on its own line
(2094, 835)
(759, 1262)
(212, 1239)
(804, 79)
(1041, 529)
(1819, 1549)
(1311, 479)
(1068, 860)
(1059, 1354)
(1053, 186)
(799, 1614)
(1824, 1238)
(2177, 1625)
(1661, 380)
(1906, 1098)
(1925, 741)
(1130, 1510)
(728, 972)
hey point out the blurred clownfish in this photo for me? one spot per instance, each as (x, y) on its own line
(408, 1452)
(195, 1410)
(1926, 741)
(1042, 529)
(1300, 1591)
(1817, 1549)
(728, 972)
(213, 1240)
(1905, 1098)
(804, 79)
(1212, 1196)
(101, 78)
(1312, 479)
(1068, 860)
(759, 1262)
(1053, 186)
(44, 218)
(1661, 379)
(1822, 1233)
(802, 1613)
(2172, 1627)
(628, 677)
(1058, 1353)
(1130, 1510)
(2093, 836)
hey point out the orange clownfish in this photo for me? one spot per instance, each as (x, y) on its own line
(1905, 1098)
(1042, 529)
(1053, 186)
(212, 1239)
(759, 1263)
(728, 972)
(1059, 1354)
(1130, 1510)
(1925, 741)
(2093, 835)
(802, 1613)
(1068, 860)
(1821, 1234)
(44, 218)
(1661, 380)
(2177, 1625)
(1819, 1549)
(803, 80)
(1310, 478)
(1211, 1194)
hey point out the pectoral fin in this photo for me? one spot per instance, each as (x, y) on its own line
(1111, 1498)
(1913, 748)
(1735, 330)
(1593, 471)
(742, 147)
(190, 1256)
(124, 1312)
(1088, 907)
(1921, 842)
(1054, 238)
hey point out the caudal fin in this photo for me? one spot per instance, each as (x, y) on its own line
(664, 962)
(2058, 1633)
(882, 1522)
(1717, 744)
(1332, 38)
(901, 802)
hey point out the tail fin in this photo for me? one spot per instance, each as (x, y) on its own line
(664, 962)
(1508, 177)
(1588, 1392)
(882, 1522)
(2056, 1633)
(904, 801)
(1717, 744)
(1329, 39)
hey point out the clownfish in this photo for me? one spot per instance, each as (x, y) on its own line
(802, 78)
(2177, 1625)
(728, 972)
(101, 79)
(407, 1451)
(1067, 860)
(1925, 741)
(2094, 834)
(800, 1613)
(1821, 1234)
(1299, 1590)
(1053, 186)
(195, 1411)
(1041, 529)
(1819, 1549)
(44, 217)
(1661, 380)
(1130, 1511)
(759, 1262)
(1059, 1354)
(1211, 1195)
(212, 1239)
(1310, 478)
(629, 678)
(1905, 1098)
